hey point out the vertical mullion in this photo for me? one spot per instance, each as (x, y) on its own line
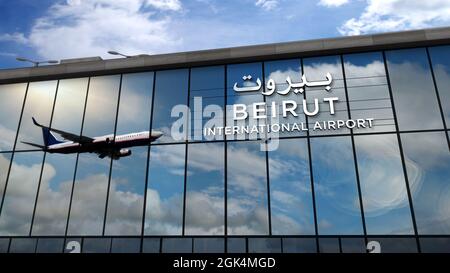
(358, 182)
(437, 96)
(43, 162)
(186, 151)
(14, 148)
(76, 160)
(269, 209)
(311, 174)
(112, 157)
(405, 174)
(225, 201)
(148, 163)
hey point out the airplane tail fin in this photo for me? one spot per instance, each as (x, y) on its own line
(48, 136)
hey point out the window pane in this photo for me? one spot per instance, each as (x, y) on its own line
(440, 58)
(92, 174)
(335, 186)
(126, 196)
(396, 245)
(11, 101)
(38, 104)
(4, 245)
(235, 74)
(170, 90)
(20, 195)
(23, 245)
(205, 189)
(368, 92)
(127, 187)
(57, 177)
(164, 207)
(290, 188)
(209, 245)
(247, 189)
(50, 245)
(435, 245)
(413, 90)
(353, 245)
(151, 245)
(89, 196)
(316, 69)
(126, 245)
(428, 161)
(264, 245)
(279, 71)
(96, 245)
(101, 106)
(383, 187)
(72, 245)
(236, 245)
(329, 245)
(54, 195)
(5, 160)
(177, 245)
(207, 89)
(299, 245)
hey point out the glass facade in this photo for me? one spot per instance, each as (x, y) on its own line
(303, 191)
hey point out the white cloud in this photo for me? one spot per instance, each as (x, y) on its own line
(267, 4)
(395, 15)
(333, 3)
(165, 4)
(92, 27)
(14, 37)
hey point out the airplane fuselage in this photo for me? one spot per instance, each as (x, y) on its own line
(105, 142)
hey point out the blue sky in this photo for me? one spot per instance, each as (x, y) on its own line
(59, 29)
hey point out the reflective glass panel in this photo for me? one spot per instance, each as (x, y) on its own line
(235, 75)
(205, 189)
(11, 101)
(23, 245)
(335, 186)
(57, 177)
(440, 58)
(315, 70)
(368, 92)
(171, 88)
(38, 104)
(264, 245)
(279, 71)
(164, 206)
(290, 188)
(92, 174)
(20, 195)
(127, 186)
(299, 245)
(5, 160)
(415, 99)
(209, 245)
(206, 100)
(428, 160)
(177, 245)
(383, 186)
(96, 245)
(126, 245)
(247, 189)
(50, 245)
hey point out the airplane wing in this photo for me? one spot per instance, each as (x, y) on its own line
(67, 135)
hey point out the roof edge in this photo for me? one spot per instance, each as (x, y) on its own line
(337, 45)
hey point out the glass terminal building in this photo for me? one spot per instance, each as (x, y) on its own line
(366, 169)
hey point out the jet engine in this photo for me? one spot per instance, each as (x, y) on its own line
(124, 152)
